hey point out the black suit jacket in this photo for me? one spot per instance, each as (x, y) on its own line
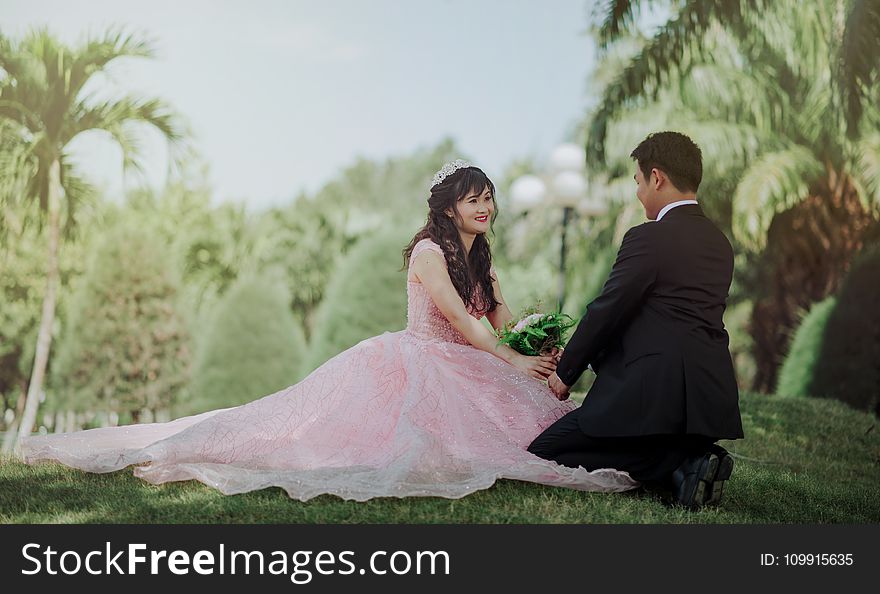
(655, 335)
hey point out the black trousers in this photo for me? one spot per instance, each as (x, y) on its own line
(649, 459)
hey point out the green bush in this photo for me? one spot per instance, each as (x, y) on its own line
(366, 296)
(736, 322)
(253, 346)
(125, 347)
(849, 368)
(800, 365)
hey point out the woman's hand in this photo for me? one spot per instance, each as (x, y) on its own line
(539, 367)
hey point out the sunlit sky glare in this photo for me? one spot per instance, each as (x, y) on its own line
(282, 94)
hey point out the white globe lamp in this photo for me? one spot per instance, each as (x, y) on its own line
(567, 157)
(569, 187)
(527, 192)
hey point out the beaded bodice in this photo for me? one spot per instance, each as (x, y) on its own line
(424, 319)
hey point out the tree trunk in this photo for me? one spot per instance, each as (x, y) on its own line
(44, 337)
(9, 437)
(809, 250)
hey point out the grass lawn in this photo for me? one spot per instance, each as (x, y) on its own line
(803, 461)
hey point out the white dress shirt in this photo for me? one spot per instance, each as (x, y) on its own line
(672, 205)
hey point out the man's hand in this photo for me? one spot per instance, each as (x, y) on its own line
(560, 390)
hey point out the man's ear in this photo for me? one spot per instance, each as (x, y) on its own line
(659, 178)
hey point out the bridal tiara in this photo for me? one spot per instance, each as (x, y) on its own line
(448, 170)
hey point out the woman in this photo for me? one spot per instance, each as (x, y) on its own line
(438, 409)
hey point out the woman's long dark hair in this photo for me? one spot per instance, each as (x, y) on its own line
(466, 271)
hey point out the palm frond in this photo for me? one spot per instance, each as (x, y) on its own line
(13, 110)
(97, 52)
(773, 184)
(77, 193)
(796, 33)
(818, 123)
(723, 92)
(868, 170)
(857, 60)
(619, 17)
(16, 62)
(21, 90)
(117, 112)
(17, 166)
(118, 117)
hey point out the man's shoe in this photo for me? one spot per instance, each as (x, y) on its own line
(692, 481)
(725, 468)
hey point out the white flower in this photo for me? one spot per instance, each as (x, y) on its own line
(527, 321)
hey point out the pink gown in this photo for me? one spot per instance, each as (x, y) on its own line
(418, 412)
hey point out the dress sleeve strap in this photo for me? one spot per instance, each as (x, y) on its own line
(423, 245)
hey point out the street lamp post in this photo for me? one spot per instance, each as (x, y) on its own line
(567, 212)
(563, 184)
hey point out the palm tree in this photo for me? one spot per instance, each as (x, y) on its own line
(806, 163)
(42, 101)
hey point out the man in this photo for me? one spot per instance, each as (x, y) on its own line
(665, 389)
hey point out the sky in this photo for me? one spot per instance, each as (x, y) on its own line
(282, 95)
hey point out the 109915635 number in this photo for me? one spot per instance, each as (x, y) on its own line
(818, 558)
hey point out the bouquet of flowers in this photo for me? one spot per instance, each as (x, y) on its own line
(536, 333)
